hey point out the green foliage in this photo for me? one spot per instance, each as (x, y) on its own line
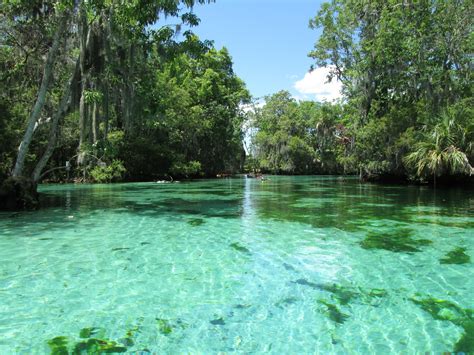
(456, 256)
(293, 137)
(446, 147)
(402, 67)
(191, 168)
(108, 173)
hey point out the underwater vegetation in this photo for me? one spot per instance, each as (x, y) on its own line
(59, 345)
(195, 222)
(333, 312)
(218, 321)
(449, 311)
(240, 248)
(456, 256)
(166, 326)
(399, 241)
(342, 296)
(92, 341)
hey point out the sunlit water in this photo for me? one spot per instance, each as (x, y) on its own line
(283, 266)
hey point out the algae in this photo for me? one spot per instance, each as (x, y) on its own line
(88, 332)
(240, 248)
(456, 256)
(448, 311)
(218, 321)
(195, 222)
(465, 344)
(333, 312)
(342, 294)
(88, 344)
(98, 346)
(59, 345)
(400, 241)
(164, 326)
(286, 301)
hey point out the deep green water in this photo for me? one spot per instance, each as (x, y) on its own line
(293, 265)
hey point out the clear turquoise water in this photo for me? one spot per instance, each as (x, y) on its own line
(236, 265)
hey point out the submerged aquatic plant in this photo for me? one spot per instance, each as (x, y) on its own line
(98, 346)
(342, 294)
(449, 311)
(88, 344)
(59, 345)
(400, 241)
(164, 326)
(88, 332)
(240, 248)
(217, 321)
(195, 222)
(456, 256)
(333, 312)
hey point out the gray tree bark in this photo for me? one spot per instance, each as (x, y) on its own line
(41, 97)
(62, 110)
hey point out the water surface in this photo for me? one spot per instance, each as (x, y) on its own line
(290, 265)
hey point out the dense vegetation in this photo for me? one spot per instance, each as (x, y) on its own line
(121, 97)
(407, 112)
(127, 96)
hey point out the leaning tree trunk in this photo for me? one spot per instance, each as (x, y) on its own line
(41, 97)
(62, 110)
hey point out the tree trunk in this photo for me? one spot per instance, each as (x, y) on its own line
(62, 110)
(41, 97)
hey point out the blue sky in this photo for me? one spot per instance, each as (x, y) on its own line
(269, 41)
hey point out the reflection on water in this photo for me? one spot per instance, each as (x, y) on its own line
(288, 265)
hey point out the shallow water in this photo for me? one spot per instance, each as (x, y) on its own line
(291, 265)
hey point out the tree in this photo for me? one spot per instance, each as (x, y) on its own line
(401, 64)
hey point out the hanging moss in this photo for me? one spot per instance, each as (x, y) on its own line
(456, 256)
(333, 312)
(400, 241)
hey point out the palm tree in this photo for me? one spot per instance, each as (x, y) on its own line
(443, 149)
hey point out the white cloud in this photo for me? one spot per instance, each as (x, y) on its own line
(316, 83)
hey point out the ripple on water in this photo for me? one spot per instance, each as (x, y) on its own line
(235, 266)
